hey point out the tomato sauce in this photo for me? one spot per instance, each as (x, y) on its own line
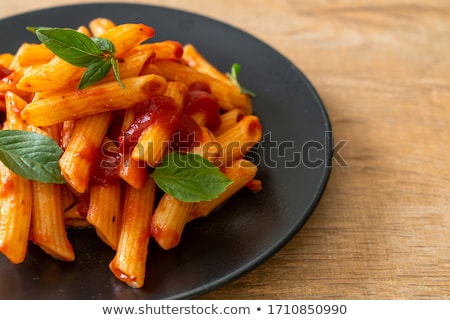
(203, 102)
(4, 72)
(161, 110)
(105, 169)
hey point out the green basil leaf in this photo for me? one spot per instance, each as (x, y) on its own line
(70, 45)
(115, 67)
(104, 44)
(31, 155)
(190, 177)
(94, 73)
(233, 76)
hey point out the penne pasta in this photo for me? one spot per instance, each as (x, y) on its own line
(129, 262)
(105, 212)
(178, 91)
(15, 215)
(48, 228)
(74, 219)
(167, 50)
(228, 120)
(228, 96)
(168, 221)
(78, 158)
(99, 26)
(33, 54)
(15, 195)
(6, 59)
(114, 137)
(240, 138)
(172, 214)
(132, 65)
(197, 61)
(95, 99)
(47, 219)
(130, 170)
(240, 172)
(152, 144)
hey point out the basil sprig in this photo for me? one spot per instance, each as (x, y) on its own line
(190, 177)
(95, 54)
(31, 155)
(233, 76)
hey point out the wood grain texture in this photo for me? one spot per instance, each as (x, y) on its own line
(381, 230)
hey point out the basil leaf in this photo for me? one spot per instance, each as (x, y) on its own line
(233, 76)
(104, 44)
(115, 67)
(94, 73)
(70, 45)
(96, 54)
(190, 177)
(31, 155)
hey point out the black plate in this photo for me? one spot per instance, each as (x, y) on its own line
(294, 159)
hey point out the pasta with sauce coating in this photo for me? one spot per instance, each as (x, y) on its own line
(113, 138)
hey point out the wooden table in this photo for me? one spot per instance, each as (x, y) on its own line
(382, 68)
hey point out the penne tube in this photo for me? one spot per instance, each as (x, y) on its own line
(51, 76)
(105, 212)
(167, 50)
(15, 215)
(14, 105)
(95, 99)
(6, 59)
(15, 195)
(152, 144)
(33, 54)
(9, 83)
(66, 133)
(73, 218)
(84, 30)
(197, 61)
(207, 146)
(83, 148)
(131, 171)
(178, 92)
(131, 66)
(240, 173)
(126, 36)
(47, 219)
(48, 228)
(227, 120)
(168, 221)
(171, 214)
(129, 262)
(228, 96)
(99, 26)
(239, 139)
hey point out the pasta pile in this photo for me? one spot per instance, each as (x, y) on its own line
(117, 196)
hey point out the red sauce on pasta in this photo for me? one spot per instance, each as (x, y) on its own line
(4, 72)
(202, 102)
(105, 169)
(162, 111)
